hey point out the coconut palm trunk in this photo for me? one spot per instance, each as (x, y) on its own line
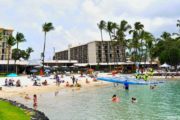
(46, 28)
(44, 48)
(9, 48)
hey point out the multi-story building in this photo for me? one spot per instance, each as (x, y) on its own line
(92, 52)
(4, 34)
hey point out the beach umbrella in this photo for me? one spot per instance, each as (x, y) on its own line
(33, 70)
(38, 66)
(47, 70)
(12, 75)
(46, 66)
(165, 65)
(55, 66)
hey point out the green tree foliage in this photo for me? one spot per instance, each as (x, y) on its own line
(168, 49)
(142, 45)
(10, 42)
(22, 54)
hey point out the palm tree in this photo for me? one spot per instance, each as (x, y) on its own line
(138, 28)
(101, 26)
(109, 28)
(29, 50)
(178, 25)
(149, 45)
(19, 39)
(121, 37)
(46, 27)
(10, 42)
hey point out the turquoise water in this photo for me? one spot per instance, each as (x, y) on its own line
(162, 103)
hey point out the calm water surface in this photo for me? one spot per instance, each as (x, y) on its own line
(162, 103)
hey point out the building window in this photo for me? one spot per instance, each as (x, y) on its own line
(2, 57)
(3, 51)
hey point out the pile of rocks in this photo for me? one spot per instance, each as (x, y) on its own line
(35, 114)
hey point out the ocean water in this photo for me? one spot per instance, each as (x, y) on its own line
(161, 103)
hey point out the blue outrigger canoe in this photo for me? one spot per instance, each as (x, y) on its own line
(128, 80)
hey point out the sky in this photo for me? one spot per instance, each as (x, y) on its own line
(75, 21)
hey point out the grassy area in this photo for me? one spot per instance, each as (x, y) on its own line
(10, 112)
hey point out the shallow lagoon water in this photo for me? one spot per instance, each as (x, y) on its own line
(162, 103)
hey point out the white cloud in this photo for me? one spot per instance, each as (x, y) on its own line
(76, 21)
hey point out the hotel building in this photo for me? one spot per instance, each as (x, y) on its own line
(92, 52)
(4, 34)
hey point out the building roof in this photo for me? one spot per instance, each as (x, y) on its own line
(116, 63)
(6, 29)
(34, 62)
(60, 61)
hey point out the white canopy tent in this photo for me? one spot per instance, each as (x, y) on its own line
(165, 65)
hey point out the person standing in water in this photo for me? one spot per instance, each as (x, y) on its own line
(126, 85)
(35, 101)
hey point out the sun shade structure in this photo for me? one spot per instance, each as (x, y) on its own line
(165, 65)
(12, 75)
(33, 70)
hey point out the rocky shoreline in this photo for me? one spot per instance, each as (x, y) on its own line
(35, 114)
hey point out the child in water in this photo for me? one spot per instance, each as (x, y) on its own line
(115, 98)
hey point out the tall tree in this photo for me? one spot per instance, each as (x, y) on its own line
(136, 38)
(121, 37)
(10, 42)
(149, 42)
(46, 27)
(18, 39)
(101, 25)
(29, 50)
(109, 28)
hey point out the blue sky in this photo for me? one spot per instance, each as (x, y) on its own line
(75, 21)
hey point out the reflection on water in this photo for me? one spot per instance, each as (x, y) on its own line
(161, 103)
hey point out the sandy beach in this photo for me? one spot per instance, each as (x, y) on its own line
(28, 88)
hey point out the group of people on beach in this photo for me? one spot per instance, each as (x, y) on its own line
(45, 83)
(10, 82)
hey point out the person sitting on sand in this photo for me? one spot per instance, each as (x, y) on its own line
(11, 82)
(27, 97)
(133, 100)
(45, 83)
(6, 82)
(87, 81)
(115, 98)
(36, 83)
(18, 83)
(67, 84)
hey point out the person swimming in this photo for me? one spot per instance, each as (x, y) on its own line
(133, 100)
(115, 98)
